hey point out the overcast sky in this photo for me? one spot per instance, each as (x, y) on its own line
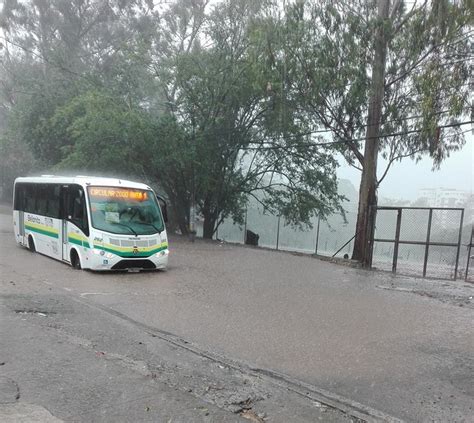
(406, 178)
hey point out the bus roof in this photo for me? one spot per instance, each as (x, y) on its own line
(82, 180)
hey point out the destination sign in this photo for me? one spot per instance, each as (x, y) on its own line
(118, 193)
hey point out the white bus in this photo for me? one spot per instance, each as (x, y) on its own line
(91, 223)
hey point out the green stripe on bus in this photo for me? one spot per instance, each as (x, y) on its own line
(42, 231)
(79, 242)
(130, 253)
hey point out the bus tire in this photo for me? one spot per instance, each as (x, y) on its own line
(75, 260)
(31, 244)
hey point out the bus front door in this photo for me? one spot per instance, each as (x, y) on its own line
(75, 228)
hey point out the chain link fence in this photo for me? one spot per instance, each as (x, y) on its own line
(432, 242)
(324, 237)
(420, 241)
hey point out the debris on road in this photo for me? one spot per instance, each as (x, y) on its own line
(252, 416)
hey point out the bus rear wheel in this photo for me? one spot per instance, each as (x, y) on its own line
(75, 260)
(31, 244)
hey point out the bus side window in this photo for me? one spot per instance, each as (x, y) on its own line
(42, 200)
(19, 203)
(53, 201)
(77, 209)
(30, 198)
(164, 208)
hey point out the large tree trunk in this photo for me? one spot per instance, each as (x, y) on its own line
(180, 219)
(367, 203)
(368, 185)
(208, 227)
(182, 224)
(209, 214)
(180, 214)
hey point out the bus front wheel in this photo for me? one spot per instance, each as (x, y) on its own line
(75, 260)
(31, 244)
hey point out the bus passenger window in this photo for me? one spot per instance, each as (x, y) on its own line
(42, 200)
(53, 201)
(77, 209)
(30, 198)
(19, 197)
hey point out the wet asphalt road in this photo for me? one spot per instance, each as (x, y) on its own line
(410, 356)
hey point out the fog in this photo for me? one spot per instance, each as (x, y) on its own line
(406, 178)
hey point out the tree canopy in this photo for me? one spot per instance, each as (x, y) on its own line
(219, 103)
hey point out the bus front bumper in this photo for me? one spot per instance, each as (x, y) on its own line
(99, 260)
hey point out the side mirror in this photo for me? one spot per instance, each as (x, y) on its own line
(164, 208)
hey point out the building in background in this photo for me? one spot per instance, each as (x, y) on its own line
(446, 198)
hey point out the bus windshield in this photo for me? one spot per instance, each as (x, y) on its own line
(125, 210)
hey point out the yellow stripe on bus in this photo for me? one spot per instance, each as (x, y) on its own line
(42, 227)
(130, 249)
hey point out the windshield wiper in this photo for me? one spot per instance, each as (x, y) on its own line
(151, 224)
(128, 227)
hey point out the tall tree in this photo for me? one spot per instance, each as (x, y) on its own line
(55, 50)
(339, 52)
(368, 185)
(211, 91)
(209, 141)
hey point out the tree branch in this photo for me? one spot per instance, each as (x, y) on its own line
(394, 159)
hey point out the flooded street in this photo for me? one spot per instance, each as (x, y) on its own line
(400, 347)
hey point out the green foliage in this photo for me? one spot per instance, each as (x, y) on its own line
(427, 77)
(103, 132)
(220, 103)
(328, 50)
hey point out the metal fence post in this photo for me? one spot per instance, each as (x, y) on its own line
(245, 226)
(278, 231)
(317, 235)
(459, 245)
(427, 246)
(469, 254)
(397, 240)
(373, 214)
(217, 228)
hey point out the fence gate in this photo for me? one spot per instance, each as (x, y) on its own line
(418, 241)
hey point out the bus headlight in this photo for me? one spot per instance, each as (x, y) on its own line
(162, 253)
(98, 252)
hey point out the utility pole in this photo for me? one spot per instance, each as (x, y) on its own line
(367, 193)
